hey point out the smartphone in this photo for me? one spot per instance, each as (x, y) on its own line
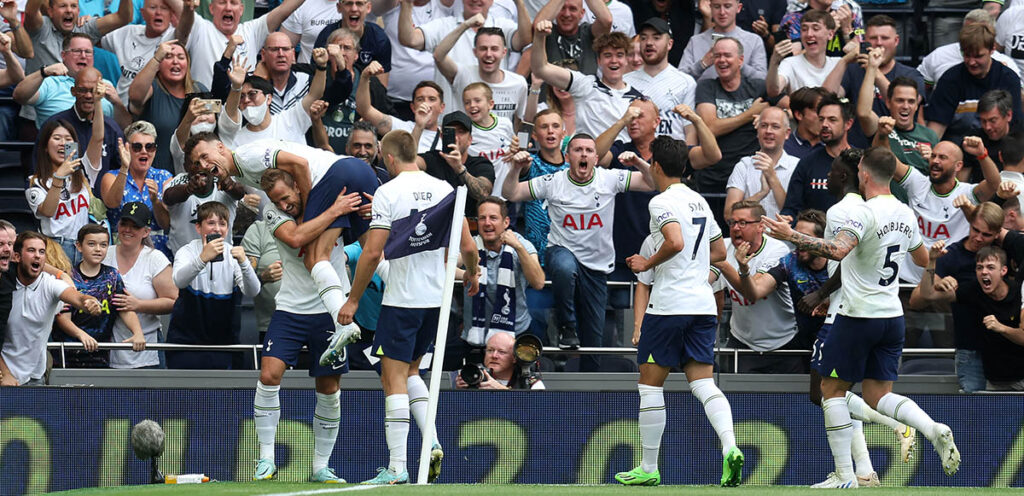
(865, 47)
(716, 36)
(211, 237)
(70, 150)
(447, 138)
(525, 130)
(780, 35)
(211, 105)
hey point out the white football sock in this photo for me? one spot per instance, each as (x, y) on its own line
(905, 410)
(328, 284)
(860, 410)
(839, 428)
(652, 424)
(418, 398)
(326, 417)
(266, 412)
(859, 450)
(716, 407)
(396, 429)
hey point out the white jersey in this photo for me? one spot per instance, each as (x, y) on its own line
(682, 281)
(768, 323)
(509, 95)
(835, 219)
(133, 50)
(416, 280)
(253, 159)
(139, 283)
(746, 178)
(599, 106)
(799, 73)
(668, 88)
(937, 218)
(410, 66)
(183, 214)
(33, 308)
(298, 293)
(582, 214)
(72, 209)
(886, 233)
(429, 140)
(1010, 33)
(492, 143)
(936, 63)
(206, 46)
(622, 17)
(308, 21)
(288, 125)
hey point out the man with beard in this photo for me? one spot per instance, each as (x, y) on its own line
(665, 85)
(931, 197)
(808, 187)
(573, 39)
(362, 144)
(764, 176)
(36, 300)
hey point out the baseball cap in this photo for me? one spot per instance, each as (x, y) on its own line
(458, 117)
(136, 212)
(658, 24)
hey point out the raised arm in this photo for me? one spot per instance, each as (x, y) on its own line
(316, 87)
(445, 64)
(319, 130)
(524, 31)
(885, 126)
(142, 86)
(512, 189)
(186, 18)
(606, 139)
(834, 80)
(33, 15)
(280, 13)
(122, 17)
(27, 91)
(834, 249)
(602, 18)
(707, 152)
(14, 73)
(984, 190)
(558, 77)
(22, 43)
(866, 97)
(94, 150)
(641, 179)
(364, 107)
(775, 83)
(928, 290)
(408, 34)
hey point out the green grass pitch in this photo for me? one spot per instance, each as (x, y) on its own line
(307, 489)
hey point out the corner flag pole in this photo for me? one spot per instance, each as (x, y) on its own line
(437, 362)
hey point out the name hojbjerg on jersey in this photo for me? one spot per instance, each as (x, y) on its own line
(893, 226)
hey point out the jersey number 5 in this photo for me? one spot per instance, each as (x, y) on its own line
(891, 265)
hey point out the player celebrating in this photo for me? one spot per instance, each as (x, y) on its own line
(680, 322)
(299, 319)
(319, 177)
(416, 208)
(866, 339)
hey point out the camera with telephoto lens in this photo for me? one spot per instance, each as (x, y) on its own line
(473, 374)
(527, 351)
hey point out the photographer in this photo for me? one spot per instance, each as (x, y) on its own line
(501, 368)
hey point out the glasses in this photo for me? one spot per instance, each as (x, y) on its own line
(251, 96)
(742, 224)
(137, 147)
(79, 51)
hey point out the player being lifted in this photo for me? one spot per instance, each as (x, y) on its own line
(866, 339)
(680, 320)
(411, 215)
(299, 319)
(319, 177)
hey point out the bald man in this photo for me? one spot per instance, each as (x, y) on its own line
(500, 362)
(931, 197)
(764, 176)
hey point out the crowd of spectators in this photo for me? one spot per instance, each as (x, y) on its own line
(516, 100)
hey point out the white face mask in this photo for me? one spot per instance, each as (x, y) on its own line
(254, 114)
(202, 127)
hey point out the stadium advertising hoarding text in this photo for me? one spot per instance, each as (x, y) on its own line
(65, 438)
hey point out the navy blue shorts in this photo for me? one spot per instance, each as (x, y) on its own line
(405, 334)
(857, 349)
(352, 175)
(671, 340)
(819, 341)
(288, 332)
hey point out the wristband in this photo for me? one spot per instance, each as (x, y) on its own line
(42, 73)
(236, 90)
(983, 156)
(62, 178)
(463, 171)
(321, 67)
(535, 92)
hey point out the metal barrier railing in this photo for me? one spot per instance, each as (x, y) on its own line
(550, 350)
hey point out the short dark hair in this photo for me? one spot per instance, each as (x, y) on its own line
(1012, 148)
(64, 45)
(613, 40)
(428, 84)
(25, 236)
(996, 99)
(490, 31)
(844, 105)
(849, 159)
(194, 140)
(260, 84)
(670, 154)
(879, 162)
(819, 16)
(362, 125)
(901, 81)
(269, 179)
(215, 208)
(91, 229)
(581, 136)
(990, 251)
(816, 217)
(806, 98)
(502, 205)
(881, 20)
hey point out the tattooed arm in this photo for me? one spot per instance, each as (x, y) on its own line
(834, 249)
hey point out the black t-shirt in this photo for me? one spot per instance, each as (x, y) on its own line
(772, 10)
(578, 47)
(959, 263)
(808, 186)
(475, 166)
(1002, 359)
(632, 218)
(8, 284)
(993, 147)
(739, 143)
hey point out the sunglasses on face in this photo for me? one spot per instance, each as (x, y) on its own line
(137, 147)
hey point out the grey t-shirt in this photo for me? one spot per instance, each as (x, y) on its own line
(47, 41)
(737, 144)
(578, 47)
(493, 260)
(163, 110)
(259, 242)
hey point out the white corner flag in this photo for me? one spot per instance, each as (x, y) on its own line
(437, 362)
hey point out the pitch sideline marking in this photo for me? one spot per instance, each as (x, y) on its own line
(325, 491)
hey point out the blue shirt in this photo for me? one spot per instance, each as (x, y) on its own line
(959, 263)
(374, 45)
(953, 102)
(633, 217)
(808, 186)
(139, 193)
(797, 147)
(536, 213)
(853, 78)
(55, 96)
(369, 305)
(801, 280)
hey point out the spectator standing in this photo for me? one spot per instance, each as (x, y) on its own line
(507, 87)
(59, 192)
(699, 55)
(135, 44)
(789, 71)
(139, 182)
(764, 176)
(665, 85)
(995, 114)
(941, 59)
(372, 41)
(572, 39)
(808, 186)
(456, 167)
(682, 15)
(803, 105)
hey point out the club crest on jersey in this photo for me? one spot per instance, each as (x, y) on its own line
(585, 223)
(421, 228)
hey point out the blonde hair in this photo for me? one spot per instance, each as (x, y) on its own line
(56, 257)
